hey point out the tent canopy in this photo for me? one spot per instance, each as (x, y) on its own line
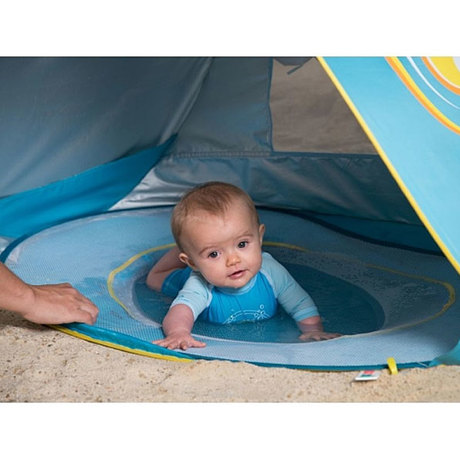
(70, 122)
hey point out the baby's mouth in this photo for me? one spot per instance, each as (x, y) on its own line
(236, 275)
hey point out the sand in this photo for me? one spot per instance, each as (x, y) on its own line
(40, 364)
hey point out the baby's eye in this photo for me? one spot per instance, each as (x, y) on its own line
(243, 244)
(213, 254)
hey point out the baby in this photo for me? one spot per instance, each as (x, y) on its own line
(219, 272)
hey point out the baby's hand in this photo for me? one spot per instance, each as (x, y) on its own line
(182, 340)
(314, 336)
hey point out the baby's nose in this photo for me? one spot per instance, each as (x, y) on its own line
(232, 259)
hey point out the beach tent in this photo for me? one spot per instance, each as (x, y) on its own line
(353, 163)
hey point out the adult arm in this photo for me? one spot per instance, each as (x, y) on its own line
(44, 304)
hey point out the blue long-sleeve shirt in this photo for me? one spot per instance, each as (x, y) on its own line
(257, 300)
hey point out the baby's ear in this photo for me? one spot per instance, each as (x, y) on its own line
(186, 260)
(261, 232)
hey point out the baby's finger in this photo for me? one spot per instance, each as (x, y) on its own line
(198, 344)
(332, 336)
(160, 343)
(182, 345)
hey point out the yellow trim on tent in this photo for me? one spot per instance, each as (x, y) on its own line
(126, 264)
(389, 165)
(106, 343)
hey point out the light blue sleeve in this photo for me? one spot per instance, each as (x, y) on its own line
(195, 294)
(290, 295)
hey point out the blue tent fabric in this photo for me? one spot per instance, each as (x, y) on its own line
(62, 116)
(420, 151)
(231, 118)
(92, 191)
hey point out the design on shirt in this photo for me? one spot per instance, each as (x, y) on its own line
(248, 315)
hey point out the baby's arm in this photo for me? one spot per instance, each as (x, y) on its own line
(312, 330)
(297, 302)
(177, 326)
(169, 262)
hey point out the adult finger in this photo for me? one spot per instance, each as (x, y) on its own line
(91, 309)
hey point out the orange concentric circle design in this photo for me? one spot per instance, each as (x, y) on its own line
(446, 70)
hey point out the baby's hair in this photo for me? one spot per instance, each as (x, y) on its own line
(213, 197)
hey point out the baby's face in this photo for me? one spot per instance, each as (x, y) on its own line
(226, 250)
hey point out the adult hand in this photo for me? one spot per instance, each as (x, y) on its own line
(56, 304)
(44, 304)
